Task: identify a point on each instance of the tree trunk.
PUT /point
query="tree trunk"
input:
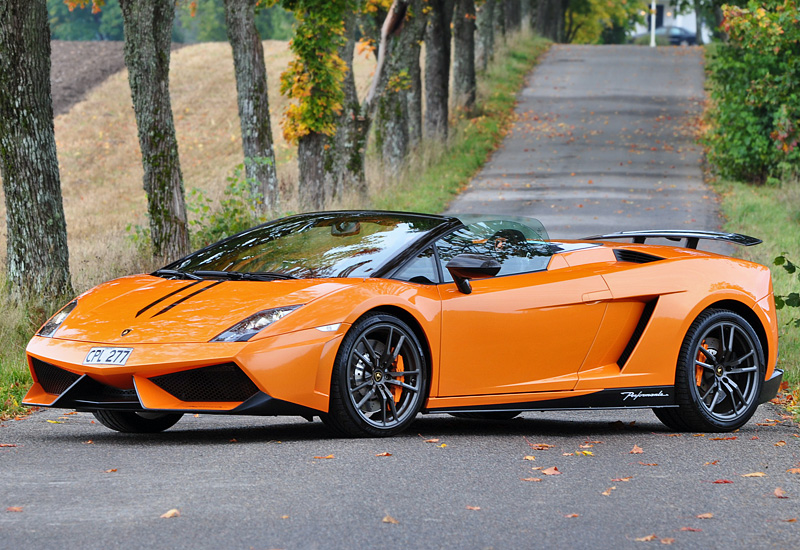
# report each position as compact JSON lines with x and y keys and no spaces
{"x":346,"y":149}
{"x":148,"y":32}
{"x":437,"y":68}
{"x":500,"y":22}
{"x":251,"y":88}
{"x":550,"y":19}
{"x":414,"y":93}
{"x":484,"y":45}
{"x":464,"y":84}
{"x":513,"y":15}
{"x":311,"y":188}
{"x":38,"y":258}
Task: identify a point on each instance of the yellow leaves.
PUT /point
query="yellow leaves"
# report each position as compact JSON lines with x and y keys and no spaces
{"x":442,"y":446}
{"x":707,"y":515}
{"x":55,"y":422}
{"x":778,"y":444}
{"x":365,"y":46}
{"x":636,"y":450}
{"x":389,"y":519}
{"x":607,"y":492}
{"x":14,"y":509}
{"x":793,"y":471}
{"x":755,"y":474}
{"x":328,"y":457}
{"x":535,"y":479}
{"x":529,"y":457}
{"x":173,"y":513}
{"x":622,"y":479}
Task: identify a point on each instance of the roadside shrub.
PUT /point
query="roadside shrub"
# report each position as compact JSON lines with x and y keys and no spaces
{"x":793,"y":298}
{"x":755,"y":113}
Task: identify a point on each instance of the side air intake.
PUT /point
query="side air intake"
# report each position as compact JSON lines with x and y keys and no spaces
{"x":647,"y":313}
{"x":227,"y":383}
{"x":634,"y":257}
{"x":53,"y":379}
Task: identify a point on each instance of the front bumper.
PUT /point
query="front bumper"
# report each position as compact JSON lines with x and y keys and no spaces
{"x":771,"y":386}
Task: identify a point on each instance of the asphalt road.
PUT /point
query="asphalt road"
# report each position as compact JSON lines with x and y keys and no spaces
{"x":238,"y":482}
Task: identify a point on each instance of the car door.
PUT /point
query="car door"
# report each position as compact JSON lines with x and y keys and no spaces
{"x":526,"y":329}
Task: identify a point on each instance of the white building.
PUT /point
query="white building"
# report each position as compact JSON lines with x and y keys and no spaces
{"x":668,"y":16}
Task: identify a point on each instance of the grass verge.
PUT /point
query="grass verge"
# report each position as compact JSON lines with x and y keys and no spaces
{"x":771,"y":213}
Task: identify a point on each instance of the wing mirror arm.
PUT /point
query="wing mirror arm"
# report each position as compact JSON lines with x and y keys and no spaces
{"x":471,"y":266}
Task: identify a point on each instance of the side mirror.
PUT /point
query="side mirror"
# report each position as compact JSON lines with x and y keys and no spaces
{"x":471,"y":266}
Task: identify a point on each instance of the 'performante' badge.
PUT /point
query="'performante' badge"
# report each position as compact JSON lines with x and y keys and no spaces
{"x":636,"y":395}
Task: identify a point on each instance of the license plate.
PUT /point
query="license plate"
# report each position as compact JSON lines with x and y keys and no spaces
{"x":107,"y":356}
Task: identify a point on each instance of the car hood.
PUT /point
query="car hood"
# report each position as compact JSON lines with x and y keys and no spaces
{"x":154,"y":310}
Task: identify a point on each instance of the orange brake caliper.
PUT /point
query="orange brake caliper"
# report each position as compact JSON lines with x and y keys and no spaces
{"x":397,"y":391}
{"x":698,"y":370}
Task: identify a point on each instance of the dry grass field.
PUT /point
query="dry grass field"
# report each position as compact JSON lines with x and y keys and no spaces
{"x":100,"y":162}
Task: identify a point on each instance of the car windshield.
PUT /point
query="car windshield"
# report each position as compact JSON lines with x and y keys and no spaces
{"x":336,"y":244}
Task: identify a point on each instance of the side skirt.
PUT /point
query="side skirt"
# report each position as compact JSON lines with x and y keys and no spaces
{"x":617,"y":398}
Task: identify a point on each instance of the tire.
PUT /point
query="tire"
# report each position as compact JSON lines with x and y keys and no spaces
{"x":487,"y":415}
{"x":369,"y":396}
{"x":719,"y":376}
{"x":138,"y":422}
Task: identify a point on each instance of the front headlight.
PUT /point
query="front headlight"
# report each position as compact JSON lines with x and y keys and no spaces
{"x":51,"y":326}
{"x":244,"y":330}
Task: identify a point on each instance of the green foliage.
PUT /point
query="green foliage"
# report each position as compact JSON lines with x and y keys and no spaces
{"x":236,"y":212}
{"x":85,"y":24}
{"x":755,"y":112}
{"x":204,"y":21}
{"x":793,"y":298}
{"x":586,"y":21}
{"x":313,"y":80}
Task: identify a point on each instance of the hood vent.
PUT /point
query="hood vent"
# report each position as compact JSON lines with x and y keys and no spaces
{"x":634,"y":257}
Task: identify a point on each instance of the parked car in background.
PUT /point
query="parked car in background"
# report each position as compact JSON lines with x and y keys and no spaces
{"x":668,"y":35}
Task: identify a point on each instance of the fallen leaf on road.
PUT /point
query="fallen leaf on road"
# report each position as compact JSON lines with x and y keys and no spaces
{"x":698,"y":435}
{"x":731,"y":438}
{"x":530,"y":479}
{"x":529,"y":457}
{"x":384,"y":454}
{"x":14,"y":509}
{"x":792,"y":520}
{"x":607,"y":492}
{"x":778,"y":444}
{"x":234,"y":440}
{"x":442,"y":446}
{"x":754,"y":438}
{"x":571,"y":515}
{"x":667,"y":540}
{"x":284,"y":517}
{"x":174,"y":513}
{"x":722,"y":481}
{"x":8,"y":444}
{"x":55,"y":422}
{"x":112,"y":470}
{"x":541,"y":446}
{"x":584,"y":453}
{"x":430,"y":440}
{"x":90,"y":442}
{"x":636,"y":451}
{"x":538,"y":468}
{"x":780,"y":493}
{"x":648,"y":538}
{"x":774,"y":423}
{"x":707,"y":515}
{"x":551,"y":471}
{"x":389,"y":519}
{"x":475,"y":508}
{"x":623,"y":478}
{"x":755,"y":474}
{"x":712,"y":463}
{"x":586,"y":446}
{"x":324,"y":457}
{"x":648,"y":463}
{"x":793,"y":470}
{"x":692,"y":529}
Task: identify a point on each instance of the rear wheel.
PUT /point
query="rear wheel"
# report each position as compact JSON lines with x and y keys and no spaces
{"x":137,"y":421}
{"x":379,"y":379}
{"x":487,"y":415}
{"x":719,"y":377}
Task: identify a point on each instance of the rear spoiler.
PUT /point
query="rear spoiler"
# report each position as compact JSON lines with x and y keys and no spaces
{"x":692,"y":237}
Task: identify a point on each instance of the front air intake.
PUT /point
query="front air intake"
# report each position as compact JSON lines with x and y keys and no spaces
{"x":634,"y":257}
{"x":218,"y":383}
{"x":53,"y":379}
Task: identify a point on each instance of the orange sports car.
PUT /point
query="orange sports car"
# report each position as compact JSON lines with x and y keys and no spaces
{"x":366,"y":319}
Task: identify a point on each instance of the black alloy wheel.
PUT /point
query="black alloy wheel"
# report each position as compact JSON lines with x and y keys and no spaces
{"x":720,"y":374}
{"x":379,"y":379}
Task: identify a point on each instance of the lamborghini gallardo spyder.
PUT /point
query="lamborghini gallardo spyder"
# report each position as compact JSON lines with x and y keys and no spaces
{"x":366,"y":319}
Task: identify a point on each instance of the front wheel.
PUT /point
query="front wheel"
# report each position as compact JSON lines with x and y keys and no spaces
{"x":379,"y":379}
{"x":136,"y":421}
{"x":720,"y":373}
